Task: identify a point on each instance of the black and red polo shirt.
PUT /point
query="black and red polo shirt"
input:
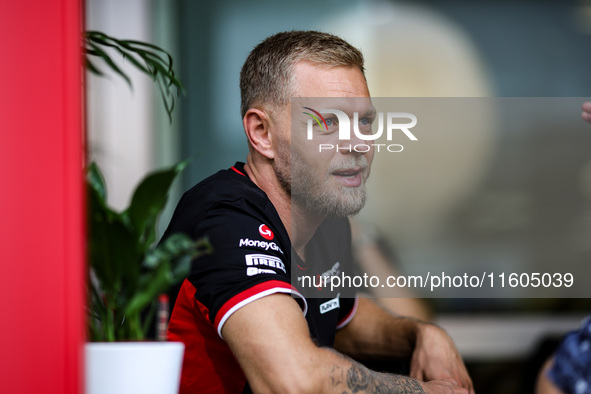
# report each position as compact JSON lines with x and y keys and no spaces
{"x":251,"y":258}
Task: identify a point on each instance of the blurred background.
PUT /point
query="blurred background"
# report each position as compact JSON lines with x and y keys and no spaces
{"x":514,"y":193}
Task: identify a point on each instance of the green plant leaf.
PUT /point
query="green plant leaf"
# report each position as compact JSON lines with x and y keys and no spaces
{"x":168,"y":263}
{"x":127,"y":273}
{"x":148,"y":200}
{"x":96,"y":181}
{"x":154,"y":284}
{"x":148,"y":58}
{"x":113,"y":253}
{"x":114,"y":257}
{"x":92,"y":68}
{"x":97,"y":51}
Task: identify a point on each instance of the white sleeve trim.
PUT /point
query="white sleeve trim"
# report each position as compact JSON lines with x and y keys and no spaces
{"x":257,"y":296}
{"x":351,"y":314}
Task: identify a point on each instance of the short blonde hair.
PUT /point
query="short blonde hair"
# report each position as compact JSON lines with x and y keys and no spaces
{"x":266,"y":76}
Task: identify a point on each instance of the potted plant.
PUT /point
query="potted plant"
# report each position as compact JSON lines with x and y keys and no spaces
{"x":127,"y":270}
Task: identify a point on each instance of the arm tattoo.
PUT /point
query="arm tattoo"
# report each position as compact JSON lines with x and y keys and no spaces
{"x":361,"y":379}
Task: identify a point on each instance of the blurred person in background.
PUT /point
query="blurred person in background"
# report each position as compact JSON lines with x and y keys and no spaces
{"x":568,"y":371}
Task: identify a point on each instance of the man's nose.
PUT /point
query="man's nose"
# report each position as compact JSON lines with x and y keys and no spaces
{"x":355,"y":145}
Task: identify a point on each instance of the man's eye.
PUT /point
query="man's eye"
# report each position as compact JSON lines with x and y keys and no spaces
{"x":364,"y":121}
{"x":329,"y":122}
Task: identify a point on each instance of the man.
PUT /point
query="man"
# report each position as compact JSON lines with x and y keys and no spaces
{"x":244,"y":326}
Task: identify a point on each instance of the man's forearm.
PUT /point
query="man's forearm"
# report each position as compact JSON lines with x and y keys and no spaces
{"x":433,"y":355}
{"x":349,"y":376}
{"x":376,"y":333}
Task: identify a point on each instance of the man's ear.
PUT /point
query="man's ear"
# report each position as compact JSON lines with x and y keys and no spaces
{"x":257,"y":126}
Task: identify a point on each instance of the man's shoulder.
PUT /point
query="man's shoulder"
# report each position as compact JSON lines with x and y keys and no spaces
{"x":224,"y":187}
{"x":228,"y":184}
{"x":229,"y":191}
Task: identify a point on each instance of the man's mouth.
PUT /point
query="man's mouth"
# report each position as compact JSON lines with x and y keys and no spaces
{"x":348,"y":173}
{"x":351,"y":177}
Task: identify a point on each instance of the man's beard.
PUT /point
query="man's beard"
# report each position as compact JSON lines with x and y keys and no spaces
{"x":317,"y":195}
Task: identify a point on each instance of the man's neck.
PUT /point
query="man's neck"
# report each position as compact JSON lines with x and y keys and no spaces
{"x":303,"y":227}
{"x":299,"y":223}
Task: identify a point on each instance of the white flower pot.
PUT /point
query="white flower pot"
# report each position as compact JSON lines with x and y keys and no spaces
{"x":133,"y":367}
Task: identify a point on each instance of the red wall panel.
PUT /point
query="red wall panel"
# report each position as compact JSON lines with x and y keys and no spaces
{"x":41,"y":197}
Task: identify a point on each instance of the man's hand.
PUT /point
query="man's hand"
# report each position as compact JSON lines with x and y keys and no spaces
{"x":447,"y":386}
{"x":374,"y":332}
{"x":436,"y":358}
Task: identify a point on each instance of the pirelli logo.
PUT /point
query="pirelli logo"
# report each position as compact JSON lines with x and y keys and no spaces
{"x":254,"y":260}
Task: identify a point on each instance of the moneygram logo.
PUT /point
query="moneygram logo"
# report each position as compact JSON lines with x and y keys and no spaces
{"x":266,"y":232}
{"x":393,"y":125}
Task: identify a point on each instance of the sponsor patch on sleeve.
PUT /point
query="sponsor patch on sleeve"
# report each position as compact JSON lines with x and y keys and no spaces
{"x":263,"y":262}
{"x":251,"y":271}
{"x":330,"y":305}
{"x":266,"y":232}
{"x":255,"y":243}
